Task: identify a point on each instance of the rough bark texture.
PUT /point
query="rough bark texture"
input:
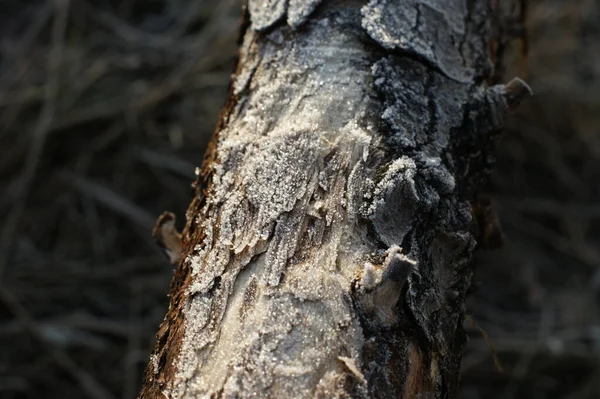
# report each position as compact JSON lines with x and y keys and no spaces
{"x":352,"y":130}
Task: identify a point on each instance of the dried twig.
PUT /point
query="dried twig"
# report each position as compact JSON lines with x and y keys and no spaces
{"x":86,"y":381}
{"x":39,"y":135}
{"x":110,"y":199}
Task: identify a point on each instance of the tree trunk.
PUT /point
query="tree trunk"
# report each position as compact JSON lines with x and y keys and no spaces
{"x":326,"y":253}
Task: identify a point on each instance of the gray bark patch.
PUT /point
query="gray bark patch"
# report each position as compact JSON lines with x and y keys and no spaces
{"x":431,"y":29}
{"x":265,"y":13}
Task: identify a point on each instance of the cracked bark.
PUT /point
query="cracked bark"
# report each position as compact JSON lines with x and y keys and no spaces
{"x":326,"y":253}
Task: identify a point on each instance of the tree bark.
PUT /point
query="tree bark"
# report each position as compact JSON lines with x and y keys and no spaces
{"x":326,"y":253}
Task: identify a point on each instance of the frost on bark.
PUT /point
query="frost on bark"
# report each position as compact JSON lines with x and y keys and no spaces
{"x":326,"y":253}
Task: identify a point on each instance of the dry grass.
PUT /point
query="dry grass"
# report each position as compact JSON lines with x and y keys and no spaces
{"x":539,"y":296}
{"x":105,"y":109}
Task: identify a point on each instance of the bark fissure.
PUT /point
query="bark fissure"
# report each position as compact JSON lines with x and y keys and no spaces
{"x":337,"y":146}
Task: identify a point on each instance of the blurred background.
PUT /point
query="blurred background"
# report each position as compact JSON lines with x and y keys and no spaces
{"x":105,"y":110}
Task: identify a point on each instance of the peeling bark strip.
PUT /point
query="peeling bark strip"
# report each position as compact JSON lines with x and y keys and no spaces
{"x":328,"y":253}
